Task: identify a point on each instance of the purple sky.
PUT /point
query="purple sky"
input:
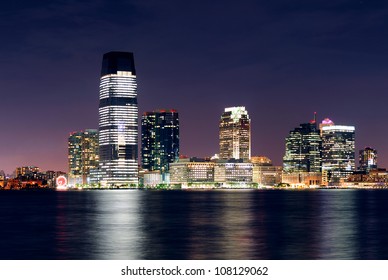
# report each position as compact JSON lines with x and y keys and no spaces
{"x":283,"y":60}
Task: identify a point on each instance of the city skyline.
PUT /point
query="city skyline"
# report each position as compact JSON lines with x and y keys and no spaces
{"x":282,"y":62}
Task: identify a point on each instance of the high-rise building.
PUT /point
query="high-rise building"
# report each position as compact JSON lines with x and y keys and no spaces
{"x":74,"y":154}
{"x":235,"y":134}
{"x":303,"y":149}
{"x":338,"y":153}
{"x":82,"y":155}
{"x":368,"y":159}
{"x":118,"y":121}
{"x":159,"y":139}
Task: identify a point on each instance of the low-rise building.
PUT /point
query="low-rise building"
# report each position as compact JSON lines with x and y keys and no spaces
{"x":155,"y":178}
{"x":364,"y":179}
{"x":302,"y":179}
{"x":232,"y":171}
{"x":198,"y":173}
{"x":190,"y":170}
{"x":266,"y":175}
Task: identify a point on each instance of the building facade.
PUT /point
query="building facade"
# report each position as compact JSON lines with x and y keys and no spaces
{"x":302,"y":179}
{"x":203,"y":173}
{"x":83,"y":155}
{"x":235,"y":134}
{"x":367,"y":159}
{"x":338,"y":153}
{"x":191,"y":170}
{"x":159,"y":139}
{"x":233,"y":172}
{"x":375,"y":178}
{"x":303,"y":149}
{"x":118,"y":121}
{"x":266,"y":175}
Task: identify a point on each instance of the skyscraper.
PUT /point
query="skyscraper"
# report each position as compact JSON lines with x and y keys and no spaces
{"x":338,"y":152}
{"x":159,"y":139}
{"x":118,"y":120}
{"x":368,"y":159}
{"x":82,"y":155}
{"x":303,"y":149}
{"x":235,"y":134}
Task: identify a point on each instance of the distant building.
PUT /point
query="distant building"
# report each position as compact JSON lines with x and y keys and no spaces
{"x":325,"y":122}
{"x":228,"y":172}
{"x":217,"y":173}
{"x":302,"y":179}
{"x":261,"y":160}
{"x":31,"y":172}
{"x":375,"y":178}
{"x":303,"y":149}
{"x":367,"y":159}
{"x":27,"y":177}
{"x":83,"y":155}
{"x":2,"y":179}
{"x":338,"y":153}
{"x":191,"y":170}
{"x":152,"y":178}
{"x":235,"y":134}
{"x":266,"y":175}
{"x":50,"y":176}
{"x":159,"y":139}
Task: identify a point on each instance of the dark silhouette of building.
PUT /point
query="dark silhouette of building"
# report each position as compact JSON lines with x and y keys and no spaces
{"x":159,"y":139}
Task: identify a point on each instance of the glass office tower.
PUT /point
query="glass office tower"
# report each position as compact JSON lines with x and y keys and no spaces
{"x":118,"y":121}
{"x":159,"y":139}
{"x":303,"y":149}
{"x":338,"y":152}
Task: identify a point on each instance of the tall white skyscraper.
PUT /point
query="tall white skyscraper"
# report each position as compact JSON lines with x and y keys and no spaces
{"x":235,"y":134}
{"x":118,"y":121}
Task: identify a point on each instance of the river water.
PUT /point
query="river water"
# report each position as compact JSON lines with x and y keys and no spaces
{"x":219,"y":224}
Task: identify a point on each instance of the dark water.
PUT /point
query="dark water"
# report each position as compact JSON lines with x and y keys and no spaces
{"x":138,"y":224}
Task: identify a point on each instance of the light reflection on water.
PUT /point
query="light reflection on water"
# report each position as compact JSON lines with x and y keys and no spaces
{"x":139,"y":224}
{"x":215,"y":230}
{"x":338,"y":224}
{"x":99,"y":225}
{"x":117,"y":231}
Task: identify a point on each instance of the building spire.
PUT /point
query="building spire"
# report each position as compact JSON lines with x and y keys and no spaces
{"x":314,"y":120}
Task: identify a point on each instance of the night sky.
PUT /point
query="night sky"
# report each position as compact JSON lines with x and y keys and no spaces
{"x":283,"y":60}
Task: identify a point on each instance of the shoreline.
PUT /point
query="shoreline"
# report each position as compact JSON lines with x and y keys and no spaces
{"x":207,"y":188}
